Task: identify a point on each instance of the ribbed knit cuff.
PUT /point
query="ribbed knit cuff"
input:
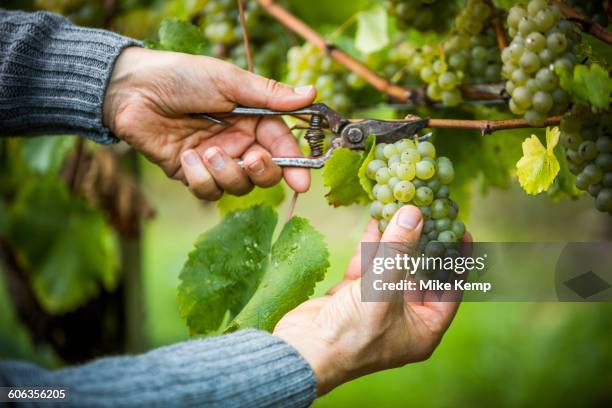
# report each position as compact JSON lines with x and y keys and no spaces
{"x":249,"y":368}
{"x":53,"y":75}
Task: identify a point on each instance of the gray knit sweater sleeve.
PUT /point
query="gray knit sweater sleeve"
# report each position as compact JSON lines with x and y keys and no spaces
{"x":53,"y":75}
{"x":249,"y":368}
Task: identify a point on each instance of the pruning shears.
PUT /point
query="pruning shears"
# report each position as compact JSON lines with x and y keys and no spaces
{"x":349,"y":133}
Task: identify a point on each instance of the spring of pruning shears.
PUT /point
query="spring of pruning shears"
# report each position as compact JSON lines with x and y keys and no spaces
{"x":347,"y":133}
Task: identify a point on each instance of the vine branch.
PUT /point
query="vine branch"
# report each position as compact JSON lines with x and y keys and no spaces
{"x":502,"y":41}
{"x":586,"y":24}
{"x":245,"y":36}
{"x":488,"y":126}
{"x":416,"y":95}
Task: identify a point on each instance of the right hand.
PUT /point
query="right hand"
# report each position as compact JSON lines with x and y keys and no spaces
{"x":342,"y":337}
{"x":148,"y":103}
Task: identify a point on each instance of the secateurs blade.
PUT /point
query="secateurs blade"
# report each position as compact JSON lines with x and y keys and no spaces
{"x":349,"y":133}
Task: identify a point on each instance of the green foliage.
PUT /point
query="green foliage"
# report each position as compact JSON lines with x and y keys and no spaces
{"x":368,"y":156}
{"x":340,"y":175}
{"x":181,"y":36}
{"x":272,"y":196}
{"x":372,"y":30}
{"x":565,"y":182}
{"x":298,"y":261}
{"x":588,"y":86}
{"x":225,"y":267}
{"x":46,"y":154}
{"x":231,"y":273}
{"x":539,"y":166}
{"x":66,"y":246}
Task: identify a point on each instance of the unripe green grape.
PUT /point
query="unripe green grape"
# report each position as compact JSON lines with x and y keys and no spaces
{"x":515,"y":14}
{"x":519,"y":77}
{"x":535,"y":42}
{"x":389,"y":151}
{"x":423,"y":196}
{"x":534,"y":6}
{"x":439,"y":66}
{"x":406,"y":171}
{"x":439,"y":208}
{"x":522,"y":97}
{"x":546,"y":56}
{"x":410,"y":156}
{"x":526,"y":26}
{"x":587,"y":150}
{"x":571,"y":140}
{"x":556,"y":42}
{"x":373,"y":167}
{"x":426,"y":149}
{"x":426,"y":212}
{"x":573,"y":156}
{"x":582,"y":182}
{"x":563,"y":64}
{"x":532,"y":85}
{"x":404,"y":191}
{"x":404,"y":144}
{"x":447,"y":237}
{"x":516,"y":51}
{"x":384,"y":194}
{"x":534,"y":118}
{"x":592,"y":173}
{"x":545,"y":19}
{"x":458,"y":228}
{"x":510,"y":86}
{"x":434,"y":92}
{"x":376,"y":209}
{"x":447,"y":81}
{"x":594,"y":190}
{"x":434,"y":184}
{"x":607,"y":180}
{"x":542,"y":102}
{"x":394,"y":161}
{"x":428,"y":226}
{"x":603,"y":202}
{"x":389,"y":211}
{"x":529,"y":62}
{"x":446,"y":174}
{"x":604,"y":161}
{"x":604,"y":144}
{"x":427,"y":74}
{"x":382,"y":225}
{"x":546,"y":79}
{"x":493,"y":73}
{"x":425,"y":170}
{"x":434,"y":249}
{"x":443,"y":192}
{"x":451,"y":98}
{"x":443,"y":224}
{"x":383,"y":175}
{"x":514,"y":108}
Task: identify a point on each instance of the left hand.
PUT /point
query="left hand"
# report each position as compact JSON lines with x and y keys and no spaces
{"x":149,"y":101}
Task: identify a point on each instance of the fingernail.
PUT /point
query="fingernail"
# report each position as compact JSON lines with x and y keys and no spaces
{"x":190,"y":158}
{"x":257,"y":167}
{"x":303,"y":90}
{"x":214,"y":158}
{"x":409,"y":217}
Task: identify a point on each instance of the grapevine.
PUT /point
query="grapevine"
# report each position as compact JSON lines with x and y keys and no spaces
{"x":422,"y":14}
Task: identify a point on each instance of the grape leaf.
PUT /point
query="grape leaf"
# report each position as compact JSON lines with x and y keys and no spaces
{"x":67,"y":246}
{"x":340,"y":175}
{"x":588,"y":86}
{"x":180,"y":36}
{"x":223,"y":270}
{"x":538,"y":167}
{"x":372,"y":34}
{"x":272,"y":196}
{"x":368,"y":156}
{"x":299,"y":260}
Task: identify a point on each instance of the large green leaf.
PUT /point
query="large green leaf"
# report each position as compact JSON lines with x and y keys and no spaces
{"x":299,"y":260}
{"x":67,"y":246}
{"x":340,"y":175}
{"x":223,"y":270}
{"x":372,"y":27}
{"x":180,"y":36}
{"x":588,"y":86}
{"x":272,"y":196}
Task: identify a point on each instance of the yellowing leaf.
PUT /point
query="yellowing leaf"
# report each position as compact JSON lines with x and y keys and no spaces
{"x":538,"y":167}
{"x":372,"y":33}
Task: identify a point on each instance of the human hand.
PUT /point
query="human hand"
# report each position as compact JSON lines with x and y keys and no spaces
{"x":148,"y":103}
{"x":342,"y":337}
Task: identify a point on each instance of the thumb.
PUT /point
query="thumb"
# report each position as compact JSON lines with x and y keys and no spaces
{"x":259,"y":92}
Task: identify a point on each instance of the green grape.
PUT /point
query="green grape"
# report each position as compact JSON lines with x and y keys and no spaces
{"x":389,"y":211}
{"x":458,"y":228}
{"x":404,"y":191}
{"x":588,"y":150}
{"x":385,"y":194}
{"x":542,"y":102}
{"x":406,"y":171}
{"x":389,"y":151}
{"x":426,"y":149}
{"x":373,"y":167}
{"x":443,"y":192}
{"x":446,"y":173}
{"x":447,"y":237}
{"x":592,"y":173}
{"x":376,"y":209}
{"x":423,"y":196}
{"x":383,"y":175}
{"x":392,"y":182}
{"x":443,"y":224}
{"x":440,"y":208}
{"x":603,"y":202}
{"x":410,"y":156}
{"x":434,"y":184}
{"x":425,"y":170}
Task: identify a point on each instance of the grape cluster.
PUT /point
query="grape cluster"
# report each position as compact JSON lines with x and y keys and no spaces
{"x":468,"y":56}
{"x":424,"y":15}
{"x":594,"y":9}
{"x":587,"y":139}
{"x":308,"y":65}
{"x":541,"y":45}
{"x":409,"y":173}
